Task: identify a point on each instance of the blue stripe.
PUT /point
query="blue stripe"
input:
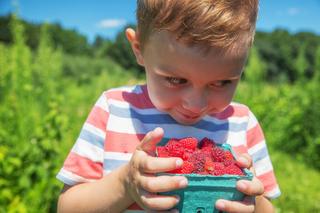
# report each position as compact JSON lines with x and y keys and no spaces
{"x":66,"y":180}
{"x":111,"y":164}
{"x":92,"y":138}
{"x":260,"y":154}
{"x":167,"y":119}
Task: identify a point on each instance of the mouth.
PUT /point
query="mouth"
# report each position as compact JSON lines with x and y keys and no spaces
{"x":189,"y":116}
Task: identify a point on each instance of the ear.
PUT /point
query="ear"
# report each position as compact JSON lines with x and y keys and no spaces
{"x":132,"y":37}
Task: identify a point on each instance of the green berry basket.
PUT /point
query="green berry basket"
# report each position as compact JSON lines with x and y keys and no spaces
{"x":203,"y":191}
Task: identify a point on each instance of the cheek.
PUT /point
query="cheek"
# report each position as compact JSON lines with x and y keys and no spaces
{"x":163,"y":98}
{"x":221,"y":100}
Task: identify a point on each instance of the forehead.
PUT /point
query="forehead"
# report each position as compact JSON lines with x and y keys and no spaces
{"x":162,"y":48}
{"x":164,"y":40}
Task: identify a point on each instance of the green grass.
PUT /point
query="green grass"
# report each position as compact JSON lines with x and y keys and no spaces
{"x":299,"y":185}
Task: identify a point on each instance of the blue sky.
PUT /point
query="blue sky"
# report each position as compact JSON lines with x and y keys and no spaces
{"x":107,"y":17}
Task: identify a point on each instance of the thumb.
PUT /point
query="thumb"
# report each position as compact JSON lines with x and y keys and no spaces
{"x":149,"y":142}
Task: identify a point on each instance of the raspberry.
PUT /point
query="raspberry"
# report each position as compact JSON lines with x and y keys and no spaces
{"x":175,"y":148}
{"x":217,"y":154}
{"x":233,"y":169}
{"x":187,"y":154}
{"x":198,"y":160}
{"x":186,"y":168}
{"x":218,"y":169}
{"x":162,"y":152}
{"x":208,"y":164}
{"x":228,"y":156}
{"x":206,"y":142}
{"x":189,"y":143}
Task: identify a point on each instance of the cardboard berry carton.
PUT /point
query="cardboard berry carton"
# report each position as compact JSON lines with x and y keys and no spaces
{"x":211,"y":172}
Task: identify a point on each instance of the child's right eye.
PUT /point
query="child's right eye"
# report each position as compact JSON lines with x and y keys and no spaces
{"x":175,"y":81}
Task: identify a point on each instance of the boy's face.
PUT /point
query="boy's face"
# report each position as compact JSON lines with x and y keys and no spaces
{"x":184,"y":82}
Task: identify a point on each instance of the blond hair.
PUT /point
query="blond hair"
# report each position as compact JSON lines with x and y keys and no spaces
{"x":226,"y":24}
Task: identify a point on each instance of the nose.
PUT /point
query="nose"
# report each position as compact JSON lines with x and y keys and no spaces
{"x":195,"y":101}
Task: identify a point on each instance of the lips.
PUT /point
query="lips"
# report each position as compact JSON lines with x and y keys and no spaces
{"x":189,"y":115}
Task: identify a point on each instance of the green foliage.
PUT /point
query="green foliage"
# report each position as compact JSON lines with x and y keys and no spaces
{"x":120,"y":51}
{"x":69,"y":40}
{"x":289,"y":115}
{"x":298,"y":184}
{"x":255,"y":70}
{"x":43,"y":106}
{"x":301,"y":63}
{"x":317,"y":65}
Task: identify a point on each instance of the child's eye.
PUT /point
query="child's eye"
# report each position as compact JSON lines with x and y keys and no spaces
{"x":176,"y":81}
{"x":220,"y":84}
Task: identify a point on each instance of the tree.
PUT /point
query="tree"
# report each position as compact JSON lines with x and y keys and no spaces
{"x":316,"y":75}
{"x":120,"y":51}
{"x":301,"y":63}
{"x":255,"y":70}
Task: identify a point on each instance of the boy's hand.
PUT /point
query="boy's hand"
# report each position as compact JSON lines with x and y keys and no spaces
{"x":249,"y":188}
{"x":143,"y":185}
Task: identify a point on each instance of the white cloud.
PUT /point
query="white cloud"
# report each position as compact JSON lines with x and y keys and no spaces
{"x":111,"y":23}
{"x":293,"y":11}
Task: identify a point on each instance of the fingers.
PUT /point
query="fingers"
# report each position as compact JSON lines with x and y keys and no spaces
{"x":244,"y":161}
{"x":251,"y":188}
{"x":158,"y":202}
{"x":150,"y":164}
{"x":235,"y":206}
{"x":163,"y":183}
{"x":149,"y":142}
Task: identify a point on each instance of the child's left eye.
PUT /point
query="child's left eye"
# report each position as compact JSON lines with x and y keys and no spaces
{"x":176,"y":81}
{"x":220,"y":83}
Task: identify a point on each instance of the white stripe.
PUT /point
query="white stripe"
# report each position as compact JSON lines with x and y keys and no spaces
{"x":88,"y":150}
{"x":134,"y":126}
{"x":257,"y":147}
{"x":274,"y":193}
{"x":94,"y":130}
{"x":252,"y":121}
{"x":117,"y":156}
{"x":69,"y":175}
{"x":154,"y":111}
{"x":263,"y":166}
{"x":237,"y":138}
{"x":127,"y":106}
{"x":102,"y":103}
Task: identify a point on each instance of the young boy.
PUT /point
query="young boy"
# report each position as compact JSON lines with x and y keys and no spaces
{"x":193,"y":53}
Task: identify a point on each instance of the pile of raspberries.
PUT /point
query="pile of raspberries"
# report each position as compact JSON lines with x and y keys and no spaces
{"x":204,"y":157}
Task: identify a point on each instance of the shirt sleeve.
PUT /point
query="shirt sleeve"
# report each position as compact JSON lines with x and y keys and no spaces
{"x":84,"y":162}
{"x":262,"y":164}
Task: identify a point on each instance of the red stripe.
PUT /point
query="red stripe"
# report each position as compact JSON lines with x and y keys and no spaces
{"x":139,"y":100}
{"x":239,"y":150}
{"x":122,"y":142}
{"x":269,"y":180}
{"x":98,"y":118}
{"x":134,"y":206}
{"x":254,"y":136}
{"x":233,"y":111}
{"x":83,"y":167}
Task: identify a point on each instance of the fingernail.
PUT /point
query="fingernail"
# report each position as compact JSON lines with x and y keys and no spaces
{"x":183,"y":182}
{"x":179,"y":163}
{"x":175,"y":211}
{"x":242,"y":186}
{"x":220,"y":204}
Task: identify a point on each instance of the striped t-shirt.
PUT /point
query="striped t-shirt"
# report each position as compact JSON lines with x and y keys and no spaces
{"x":121,"y":117}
